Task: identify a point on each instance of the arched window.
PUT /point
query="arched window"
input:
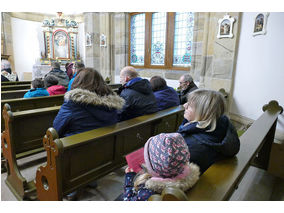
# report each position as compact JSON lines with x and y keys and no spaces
{"x":161,"y":40}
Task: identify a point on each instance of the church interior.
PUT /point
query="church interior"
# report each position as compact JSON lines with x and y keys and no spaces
{"x":238,"y":53}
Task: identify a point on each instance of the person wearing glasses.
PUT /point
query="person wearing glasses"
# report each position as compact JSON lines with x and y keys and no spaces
{"x":186,"y":86}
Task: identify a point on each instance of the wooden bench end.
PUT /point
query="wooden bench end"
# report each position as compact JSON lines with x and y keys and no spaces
{"x":272,"y":106}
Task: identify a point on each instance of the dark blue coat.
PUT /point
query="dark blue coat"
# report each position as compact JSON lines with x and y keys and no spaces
{"x":83,"y":110}
{"x":207,"y":147}
{"x":166,"y":98}
{"x":139,"y":99}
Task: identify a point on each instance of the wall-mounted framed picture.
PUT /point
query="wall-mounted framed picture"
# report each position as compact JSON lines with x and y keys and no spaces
{"x":225,"y":29}
{"x":260,"y":23}
{"x":103,"y":40}
{"x":89,"y":40}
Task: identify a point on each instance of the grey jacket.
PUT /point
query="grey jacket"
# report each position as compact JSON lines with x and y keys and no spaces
{"x":62,"y":76}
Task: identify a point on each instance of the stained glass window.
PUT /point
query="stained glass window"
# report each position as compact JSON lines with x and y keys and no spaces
{"x":159,"y":26}
{"x":161,"y":40}
{"x":137,"y":36}
{"x":184,"y":23}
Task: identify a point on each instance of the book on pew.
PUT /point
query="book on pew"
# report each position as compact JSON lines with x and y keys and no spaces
{"x":135,"y":159}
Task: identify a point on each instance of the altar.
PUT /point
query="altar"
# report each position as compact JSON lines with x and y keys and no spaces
{"x":60,"y":41}
{"x":60,"y":37}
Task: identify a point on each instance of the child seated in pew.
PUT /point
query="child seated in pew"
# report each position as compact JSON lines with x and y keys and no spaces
{"x":166,"y":96}
{"x":37,"y":89}
{"x":52,"y":87}
{"x":209,"y":134}
{"x":167,"y":163}
{"x":90,"y":104}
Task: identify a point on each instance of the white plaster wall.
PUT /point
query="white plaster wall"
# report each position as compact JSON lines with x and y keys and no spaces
{"x":26,"y":44}
{"x":259,"y":74}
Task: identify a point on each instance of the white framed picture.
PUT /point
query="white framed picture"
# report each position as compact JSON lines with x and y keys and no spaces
{"x":89,"y":40}
{"x":103,"y":40}
{"x":260,"y":23}
{"x":225,"y":29}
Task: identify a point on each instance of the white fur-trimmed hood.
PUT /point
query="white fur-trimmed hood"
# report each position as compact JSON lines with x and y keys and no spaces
{"x":183,"y":184}
{"x":86,"y":97}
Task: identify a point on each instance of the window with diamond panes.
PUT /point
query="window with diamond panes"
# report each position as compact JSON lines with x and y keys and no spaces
{"x":183,"y":39}
{"x":137,"y":39}
{"x":159,"y":27}
{"x":167,"y":40}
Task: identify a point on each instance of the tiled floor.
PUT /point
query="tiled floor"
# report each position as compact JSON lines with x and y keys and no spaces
{"x":257,"y":185}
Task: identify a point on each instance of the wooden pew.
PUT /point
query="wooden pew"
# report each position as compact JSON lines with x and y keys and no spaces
{"x":13,"y":94}
{"x":74,"y":161}
{"x":222,"y":178}
{"x":15,"y":87}
{"x":5,"y":83}
{"x":22,"y":137}
{"x":20,"y":104}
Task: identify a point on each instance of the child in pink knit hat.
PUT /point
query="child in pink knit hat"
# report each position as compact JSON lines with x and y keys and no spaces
{"x":167,"y":163}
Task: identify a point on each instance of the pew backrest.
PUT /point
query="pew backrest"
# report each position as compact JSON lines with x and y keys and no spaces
{"x":76,"y":160}
{"x":5,"y":83}
{"x":21,"y":104}
{"x":15,"y":87}
{"x":13,"y":94}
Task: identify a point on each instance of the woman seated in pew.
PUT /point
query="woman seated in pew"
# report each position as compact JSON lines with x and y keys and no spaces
{"x":167,"y":163}
{"x":52,"y":87}
{"x":90,"y":104}
{"x":166,"y":96}
{"x":37,"y":89}
{"x":209,"y":134}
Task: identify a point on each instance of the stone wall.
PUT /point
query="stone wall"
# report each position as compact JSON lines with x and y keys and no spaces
{"x":213,"y":60}
{"x":221,"y":54}
{"x":6,"y":38}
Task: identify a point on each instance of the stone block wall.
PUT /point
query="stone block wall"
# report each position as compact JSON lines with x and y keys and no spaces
{"x":220,"y":54}
{"x":6,"y":37}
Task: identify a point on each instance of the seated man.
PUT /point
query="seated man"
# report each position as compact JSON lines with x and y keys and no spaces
{"x":137,"y":93}
{"x":62,"y":76}
{"x":187,"y":86}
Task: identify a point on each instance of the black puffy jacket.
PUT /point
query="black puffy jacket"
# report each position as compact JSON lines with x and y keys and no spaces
{"x":139,"y":99}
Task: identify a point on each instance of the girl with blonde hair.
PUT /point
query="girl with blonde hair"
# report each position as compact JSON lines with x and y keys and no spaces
{"x":208,"y":132}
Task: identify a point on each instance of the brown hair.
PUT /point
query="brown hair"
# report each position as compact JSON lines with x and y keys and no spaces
{"x":90,"y":79}
{"x":157,"y":83}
